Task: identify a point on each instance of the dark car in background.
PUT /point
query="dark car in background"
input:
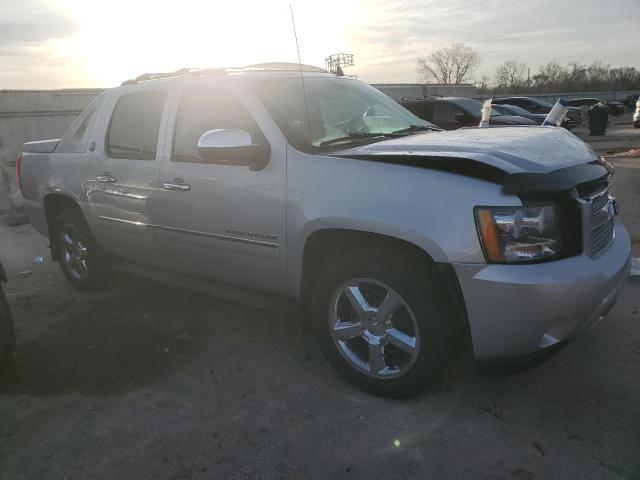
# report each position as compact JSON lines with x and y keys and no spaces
{"x":630,"y":100}
{"x":615,"y":108}
{"x":530,"y":104}
{"x":539,"y":118}
{"x":452,"y":113}
{"x":536,"y":105}
{"x":7,"y":333}
{"x":520,"y":112}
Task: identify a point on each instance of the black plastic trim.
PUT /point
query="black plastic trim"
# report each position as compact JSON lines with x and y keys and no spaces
{"x":541,"y":185}
{"x":461,"y":166}
{"x":502,"y":366}
{"x":561,"y":180}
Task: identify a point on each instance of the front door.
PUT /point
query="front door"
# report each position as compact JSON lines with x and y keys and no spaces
{"x":125,"y":188}
{"x":221,"y":221}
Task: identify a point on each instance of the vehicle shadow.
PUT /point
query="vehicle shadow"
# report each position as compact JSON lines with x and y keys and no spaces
{"x":135,"y":334}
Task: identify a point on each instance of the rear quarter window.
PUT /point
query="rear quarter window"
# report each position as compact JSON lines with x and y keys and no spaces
{"x":76,"y":138}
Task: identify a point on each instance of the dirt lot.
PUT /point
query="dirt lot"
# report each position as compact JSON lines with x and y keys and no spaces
{"x":150,"y":381}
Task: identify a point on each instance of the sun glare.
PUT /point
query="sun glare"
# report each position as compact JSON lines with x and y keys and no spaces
{"x":121,"y":39}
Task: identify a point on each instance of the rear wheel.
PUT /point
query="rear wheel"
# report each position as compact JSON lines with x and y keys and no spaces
{"x":7,"y":333}
{"x":382,"y":321}
{"x":78,"y":252}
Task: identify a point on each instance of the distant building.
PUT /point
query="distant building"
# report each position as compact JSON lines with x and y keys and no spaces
{"x":398,"y":91}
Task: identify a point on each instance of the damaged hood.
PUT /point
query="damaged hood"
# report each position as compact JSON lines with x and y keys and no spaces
{"x":513,"y":150}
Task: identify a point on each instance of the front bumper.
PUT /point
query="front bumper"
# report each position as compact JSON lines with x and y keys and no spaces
{"x":517,"y":310}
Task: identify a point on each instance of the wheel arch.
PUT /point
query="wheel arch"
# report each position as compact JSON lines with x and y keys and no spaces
{"x":54,"y":204}
{"x":323,"y":245}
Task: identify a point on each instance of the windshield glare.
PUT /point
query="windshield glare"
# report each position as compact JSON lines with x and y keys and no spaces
{"x":338,"y":107}
{"x":516,"y":110}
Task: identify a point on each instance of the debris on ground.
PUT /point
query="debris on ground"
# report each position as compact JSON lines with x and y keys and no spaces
{"x":496,"y":410}
{"x":634,"y":152}
{"x":25,"y":273}
{"x":539,"y":448}
{"x":38,"y":259}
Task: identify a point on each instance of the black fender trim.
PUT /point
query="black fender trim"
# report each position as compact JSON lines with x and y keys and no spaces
{"x":552,"y":183}
{"x":562,"y":180}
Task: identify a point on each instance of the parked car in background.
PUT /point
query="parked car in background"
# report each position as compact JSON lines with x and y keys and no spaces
{"x":452,"y":113}
{"x":614,"y":108}
{"x":630,"y":100}
{"x":393,"y":236}
{"x":520,"y":112}
{"x":7,"y":333}
{"x":536,"y":105}
{"x":530,"y":104}
{"x":539,"y":118}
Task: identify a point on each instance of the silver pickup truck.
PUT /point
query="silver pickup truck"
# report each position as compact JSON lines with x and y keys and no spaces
{"x":396,"y":237}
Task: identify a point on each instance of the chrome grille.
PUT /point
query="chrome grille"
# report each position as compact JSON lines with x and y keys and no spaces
{"x":602,"y":236}
{"x":599,"y":223}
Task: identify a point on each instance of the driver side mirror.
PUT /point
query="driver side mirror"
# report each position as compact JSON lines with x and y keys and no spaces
{"x":233,"y":147}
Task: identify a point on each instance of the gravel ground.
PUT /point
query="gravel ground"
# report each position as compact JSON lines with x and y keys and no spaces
{"x":150,"y":381}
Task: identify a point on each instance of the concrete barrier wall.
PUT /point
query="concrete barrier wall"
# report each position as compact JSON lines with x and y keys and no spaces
{"x":398,"y":91}
{"x":28,"y":115}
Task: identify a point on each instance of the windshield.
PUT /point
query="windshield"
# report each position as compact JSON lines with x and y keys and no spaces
{"x":542,"y":102}
{"x":512,"y":110}
{"x":339,"y":107}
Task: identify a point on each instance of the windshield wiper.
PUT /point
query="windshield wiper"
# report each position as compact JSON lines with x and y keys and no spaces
{"x":354,"y":136}
{"x":417,"y":128}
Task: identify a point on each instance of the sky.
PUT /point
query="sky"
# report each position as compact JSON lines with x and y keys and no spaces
{"x":100,"y":43}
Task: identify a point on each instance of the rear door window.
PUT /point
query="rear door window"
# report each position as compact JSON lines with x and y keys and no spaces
{"x":135,"y":125}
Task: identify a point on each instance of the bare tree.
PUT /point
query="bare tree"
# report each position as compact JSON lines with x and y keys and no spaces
{"x":453,"y":64}
{"x":482,"y":85}
{"x":510,"y":74}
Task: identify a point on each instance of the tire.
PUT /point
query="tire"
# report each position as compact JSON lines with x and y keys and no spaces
{"x":7,"y":333}
{"x":77,"y":251}
{"x":415,"y":339}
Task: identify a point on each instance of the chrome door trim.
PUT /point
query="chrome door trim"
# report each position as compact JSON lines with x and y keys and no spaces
{"x":217,"y":236}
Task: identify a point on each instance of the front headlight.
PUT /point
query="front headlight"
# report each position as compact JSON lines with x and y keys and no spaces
{"x":520,"y":234}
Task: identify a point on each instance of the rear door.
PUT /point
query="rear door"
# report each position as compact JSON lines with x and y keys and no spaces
{"x":125,"y":188}
{"x":222,"y":221}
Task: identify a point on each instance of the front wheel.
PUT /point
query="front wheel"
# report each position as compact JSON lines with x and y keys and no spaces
{"x":382,"y":321}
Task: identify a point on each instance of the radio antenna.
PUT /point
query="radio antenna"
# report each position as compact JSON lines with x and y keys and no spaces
{"x":304,"y":90}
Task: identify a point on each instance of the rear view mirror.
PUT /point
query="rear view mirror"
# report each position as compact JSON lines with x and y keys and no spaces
{"x":233,"y":147}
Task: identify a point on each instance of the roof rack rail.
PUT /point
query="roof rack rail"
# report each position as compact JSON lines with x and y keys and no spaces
{"x":272,"y":66}
{"x":178,"y":73}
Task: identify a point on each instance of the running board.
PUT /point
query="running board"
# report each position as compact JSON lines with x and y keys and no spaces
{"x":284,"y":306}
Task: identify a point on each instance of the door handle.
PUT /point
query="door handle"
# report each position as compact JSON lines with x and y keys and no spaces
{"x":106,"y":177}
{"x":177,"y":184}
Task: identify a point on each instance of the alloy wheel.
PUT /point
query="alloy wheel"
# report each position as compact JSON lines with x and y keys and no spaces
{"x":74,"y":252}
{"x":374,"y":328}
